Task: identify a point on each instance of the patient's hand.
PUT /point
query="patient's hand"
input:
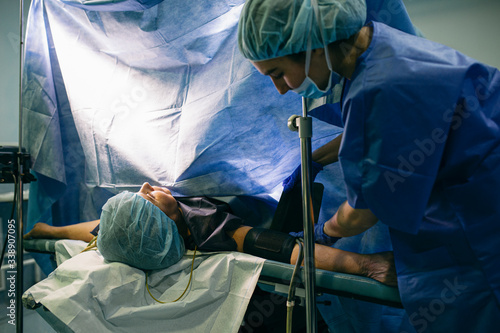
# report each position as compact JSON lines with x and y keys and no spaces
{"x":380,"y":267}
{"x":40,"y":230}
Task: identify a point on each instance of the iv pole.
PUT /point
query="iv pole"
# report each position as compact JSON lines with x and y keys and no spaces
{"x":304,"y":126}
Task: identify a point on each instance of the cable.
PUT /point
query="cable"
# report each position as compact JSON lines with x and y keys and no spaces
{"x":290,"y":302}
{"x":92,"y":245}
{"x":189,"y":282}
{"x":14,"y":204}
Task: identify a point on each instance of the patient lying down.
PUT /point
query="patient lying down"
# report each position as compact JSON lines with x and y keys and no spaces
{"x":150,"y":229}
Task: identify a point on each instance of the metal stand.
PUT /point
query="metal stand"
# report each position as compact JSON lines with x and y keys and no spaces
{"x":14,"y":168}
{"x":19,"y":248}
{"x":20,"y":175}
{"x":304,"y":126}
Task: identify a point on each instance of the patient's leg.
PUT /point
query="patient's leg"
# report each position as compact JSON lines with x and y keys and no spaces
{"x":79,"y":231}
{"x":378,"y":266}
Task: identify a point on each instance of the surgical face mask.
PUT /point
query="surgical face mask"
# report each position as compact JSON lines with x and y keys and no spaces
{"x":309,"y":89}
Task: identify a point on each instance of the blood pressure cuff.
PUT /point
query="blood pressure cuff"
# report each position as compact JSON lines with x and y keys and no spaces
{"x":269,"y":244}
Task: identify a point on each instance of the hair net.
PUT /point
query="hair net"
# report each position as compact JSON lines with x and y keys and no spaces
{"x":273,"y":28}
{"x":136,"y":232}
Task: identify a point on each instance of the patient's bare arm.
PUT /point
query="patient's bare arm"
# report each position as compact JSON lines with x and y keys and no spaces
{"x":378,"y":266}
{"x":79,"y":231}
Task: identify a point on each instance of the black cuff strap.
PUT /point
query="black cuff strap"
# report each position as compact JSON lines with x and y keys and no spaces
{"x":269,"y":244}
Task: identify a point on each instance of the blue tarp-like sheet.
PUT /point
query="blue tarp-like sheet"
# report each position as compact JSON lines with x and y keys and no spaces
{"x":116,"y":93}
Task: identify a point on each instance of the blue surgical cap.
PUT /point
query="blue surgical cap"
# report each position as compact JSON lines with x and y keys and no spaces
{"x":274,"y":28}
{"x":136,"y":232}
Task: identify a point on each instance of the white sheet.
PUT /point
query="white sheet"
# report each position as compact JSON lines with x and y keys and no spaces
{"x":90,"y":295}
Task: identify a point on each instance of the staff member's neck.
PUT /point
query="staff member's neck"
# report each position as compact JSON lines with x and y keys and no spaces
{"x":343,"y":54}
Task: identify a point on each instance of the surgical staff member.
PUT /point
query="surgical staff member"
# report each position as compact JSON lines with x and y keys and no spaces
{"x":390,"y":12}
{"x":420,"y":150}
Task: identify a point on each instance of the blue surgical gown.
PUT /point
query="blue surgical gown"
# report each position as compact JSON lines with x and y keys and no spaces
{"x":421,"y":149}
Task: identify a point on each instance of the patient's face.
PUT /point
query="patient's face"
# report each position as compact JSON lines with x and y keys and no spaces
{"x":162,"y":198}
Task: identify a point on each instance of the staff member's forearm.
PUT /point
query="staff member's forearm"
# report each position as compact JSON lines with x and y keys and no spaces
{"x":328,"y":153}
{"x":348,"y":221}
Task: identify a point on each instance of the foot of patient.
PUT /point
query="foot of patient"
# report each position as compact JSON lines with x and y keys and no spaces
{"x":380,"y":267}
{"x":41,"y":230}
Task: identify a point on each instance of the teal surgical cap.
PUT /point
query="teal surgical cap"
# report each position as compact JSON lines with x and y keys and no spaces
{"x":274,"y":28}
{"x":136,"y":232}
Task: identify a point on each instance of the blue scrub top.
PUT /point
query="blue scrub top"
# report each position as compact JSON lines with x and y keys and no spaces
{"x":421,"y":149}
